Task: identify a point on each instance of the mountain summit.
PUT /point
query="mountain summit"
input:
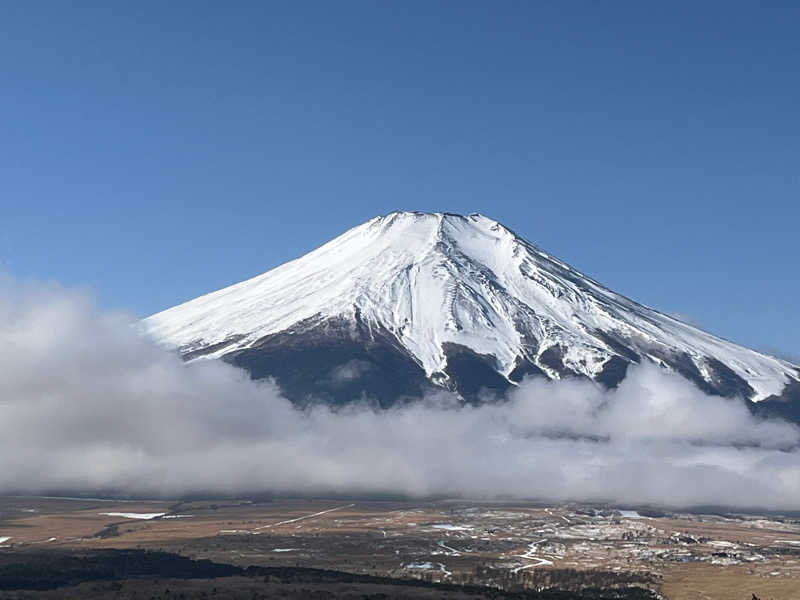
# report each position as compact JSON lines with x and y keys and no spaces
{"x":411,"y":300}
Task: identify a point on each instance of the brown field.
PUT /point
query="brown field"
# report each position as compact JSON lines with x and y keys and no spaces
{"x":518,"y":545}
{"x":699,"y":582}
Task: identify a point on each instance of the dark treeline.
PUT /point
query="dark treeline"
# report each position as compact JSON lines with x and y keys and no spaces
{"x":562,"y":579}
{"x":49,"y":570}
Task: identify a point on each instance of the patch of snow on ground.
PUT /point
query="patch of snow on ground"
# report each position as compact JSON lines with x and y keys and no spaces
{"x":425,"y":565}
{"x":451,"y":527}
{"x":126,"y":515}
{"x":631,"y":514}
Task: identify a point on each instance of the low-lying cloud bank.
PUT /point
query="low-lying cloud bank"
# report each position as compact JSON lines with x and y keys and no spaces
{"x":88,"y":404}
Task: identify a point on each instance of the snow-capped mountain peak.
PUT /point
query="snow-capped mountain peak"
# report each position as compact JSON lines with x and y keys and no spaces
{"x":434,"y":284}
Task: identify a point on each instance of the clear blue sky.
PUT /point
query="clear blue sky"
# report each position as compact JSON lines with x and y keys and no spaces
{"x":154,"y":151}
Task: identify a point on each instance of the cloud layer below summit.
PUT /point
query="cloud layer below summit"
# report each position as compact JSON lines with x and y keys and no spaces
{"x":88,"y":404}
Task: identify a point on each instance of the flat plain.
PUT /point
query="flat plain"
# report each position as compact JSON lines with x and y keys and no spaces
{"x":507,"y":545}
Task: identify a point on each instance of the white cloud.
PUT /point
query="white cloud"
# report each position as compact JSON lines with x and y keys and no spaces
{"x":88,"y":404}
{"x":349,"y":371}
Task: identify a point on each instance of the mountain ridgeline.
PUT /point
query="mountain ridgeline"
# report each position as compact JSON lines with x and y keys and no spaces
{"x":410,"y":302}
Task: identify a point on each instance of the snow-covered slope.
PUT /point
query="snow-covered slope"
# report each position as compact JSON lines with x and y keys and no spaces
{"x":434,"y":283}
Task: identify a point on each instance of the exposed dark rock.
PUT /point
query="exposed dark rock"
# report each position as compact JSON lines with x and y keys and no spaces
{"x":553,"y":357}
{"x":525,"y":368}
{"x":617,"y":344}
{"x":190,"y":354}
{"x":306,"y":360}
{"x":471,"y":373}
{"x":785,"y":406}
{"x":683,"y":364}
{"x":727,"y":383}
{"x":613,"y":372}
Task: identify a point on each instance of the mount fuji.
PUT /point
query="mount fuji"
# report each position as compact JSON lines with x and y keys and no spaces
{"x":411,"y":301}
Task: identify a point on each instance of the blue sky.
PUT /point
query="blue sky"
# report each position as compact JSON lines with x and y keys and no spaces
{"x":154,"y":151}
